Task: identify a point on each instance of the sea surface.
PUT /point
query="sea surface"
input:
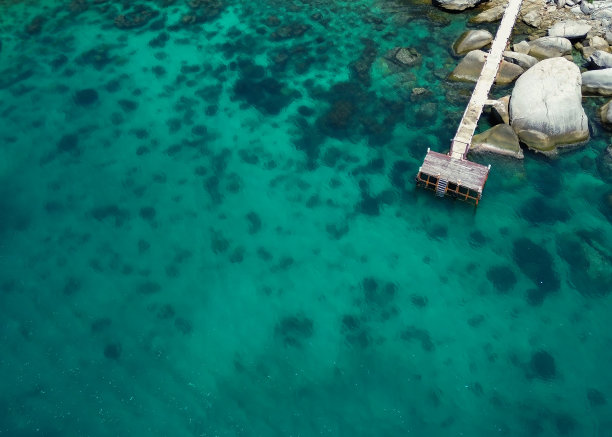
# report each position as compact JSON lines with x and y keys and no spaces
{"x":209,"y":226}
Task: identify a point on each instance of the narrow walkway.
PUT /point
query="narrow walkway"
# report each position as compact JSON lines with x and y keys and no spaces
{"x":453,"y":175}
{"x":463,"y":138}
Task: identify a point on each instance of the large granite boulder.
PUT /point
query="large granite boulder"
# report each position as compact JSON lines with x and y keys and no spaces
{"x":491,"y":15}
{"x":546,"y":106}
{"x":469,"y":68}
{"x":597,"y":82}
{"x":600,"y":59}
{"x":472,"y":40}
{"x":520,"y":59}
{"x":570,"y":29}
{"x":550,"y":47}
{"x":456,"y":5}
{"x":500,"y":139}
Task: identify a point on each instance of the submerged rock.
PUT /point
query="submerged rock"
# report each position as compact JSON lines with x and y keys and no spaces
{"x":597,"y":82}
{"x":604,"y":164}
{"x":470,"y":66}
{"x":500,"y":139}
{"x":456,"y":5}
{"x":569,"y":29}
{"x":290,"y":31}
{"x":407,"y":56}
{"x":86,"y":97}
{"x":546,"y":106}
{"x":401,"y":58}
{"x":35,"y":26}
{"x":472,"y":40}
{"x":17,"y":72}
{"x":418,"y":94}
{"x":599,"y":59}
{"x":550,"y":47}
{"x":542,"y":365}
{"x":137,"y":18}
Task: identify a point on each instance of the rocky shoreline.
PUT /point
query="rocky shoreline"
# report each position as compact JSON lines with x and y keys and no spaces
{"x":566,"y":55}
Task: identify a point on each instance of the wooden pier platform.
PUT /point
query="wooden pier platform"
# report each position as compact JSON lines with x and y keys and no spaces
{"x":454,"y":170}
{"x":448,"y":176}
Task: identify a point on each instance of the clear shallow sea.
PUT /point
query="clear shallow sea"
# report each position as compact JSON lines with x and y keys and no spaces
{"x":212,"y":229}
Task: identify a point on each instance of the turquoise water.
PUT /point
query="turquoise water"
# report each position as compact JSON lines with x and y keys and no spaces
{"x":209,"y":226}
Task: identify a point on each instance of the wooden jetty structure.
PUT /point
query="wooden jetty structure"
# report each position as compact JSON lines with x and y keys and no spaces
{"x":452,"y":174}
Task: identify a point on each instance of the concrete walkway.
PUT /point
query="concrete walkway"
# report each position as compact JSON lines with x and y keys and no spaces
{"x":463,"y":138}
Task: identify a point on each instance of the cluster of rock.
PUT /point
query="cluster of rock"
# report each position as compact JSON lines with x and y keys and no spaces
{"x":544,"y":111}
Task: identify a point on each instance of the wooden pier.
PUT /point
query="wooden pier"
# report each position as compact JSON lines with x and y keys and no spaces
{"x":452,"y":174}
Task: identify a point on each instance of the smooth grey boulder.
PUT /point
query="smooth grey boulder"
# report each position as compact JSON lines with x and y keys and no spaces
{"x":546,"y":107}
{"x":586,"y":8}
{"x":600,"y":59}
{"x":569,"y":29}
{"x":472,"y":40}
{"x":601,"y":9}
{"x":606,"y":114}
{"x":520,"y":59}
{"x":456,"y":5}
{"x":597,"y":82}
{"x":491,"y":15}
{"x":521,"y":47}
{"x":533,"y":18}
{"x":550,"y":47}
{"x":500,"y":139}
{"x":470,"y":66}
